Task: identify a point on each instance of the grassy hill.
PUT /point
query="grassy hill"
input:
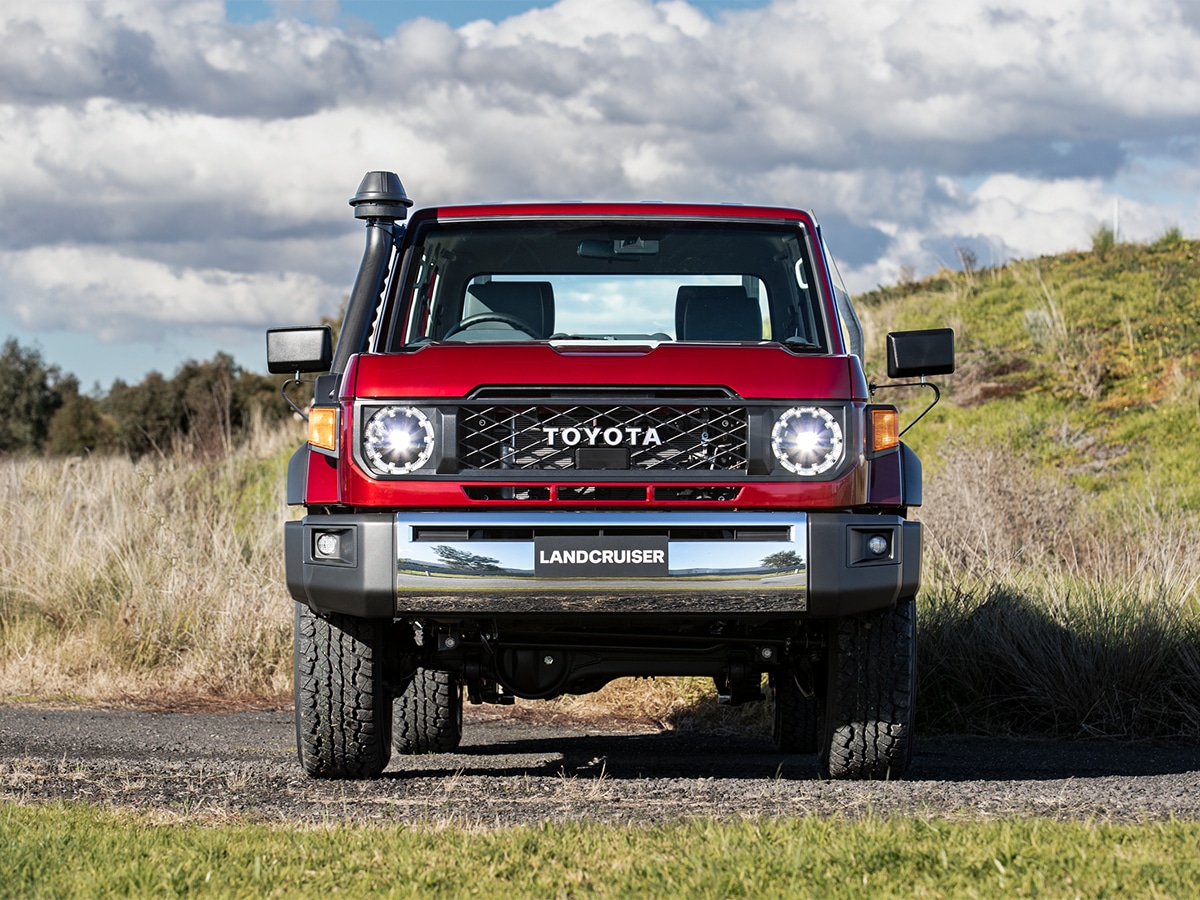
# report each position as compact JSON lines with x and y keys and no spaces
{"x":1085,"y":363}
{"x":1062,"y":501}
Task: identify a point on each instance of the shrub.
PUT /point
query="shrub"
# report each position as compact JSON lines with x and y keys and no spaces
{"x":1103,"y":240}
{"x":1171,"y":237}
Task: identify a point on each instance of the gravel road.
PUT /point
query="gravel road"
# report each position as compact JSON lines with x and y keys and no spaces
{"x":517,"y":768}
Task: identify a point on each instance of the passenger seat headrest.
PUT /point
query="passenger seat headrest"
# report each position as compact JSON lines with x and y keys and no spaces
{"x":716,"y":313}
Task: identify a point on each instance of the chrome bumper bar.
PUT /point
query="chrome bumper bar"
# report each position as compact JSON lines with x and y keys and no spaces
{"x":601,"y":562}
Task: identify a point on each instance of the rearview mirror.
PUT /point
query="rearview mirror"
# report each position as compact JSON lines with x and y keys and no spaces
{"x":623,"y":248}
{"x":307,"y":349}
{"x":912,"y":354}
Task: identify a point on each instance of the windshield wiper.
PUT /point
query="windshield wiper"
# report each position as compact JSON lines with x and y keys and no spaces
{"x":796,"y":342}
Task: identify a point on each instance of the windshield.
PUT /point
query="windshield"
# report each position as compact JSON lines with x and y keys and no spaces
{"x":613,"y":281}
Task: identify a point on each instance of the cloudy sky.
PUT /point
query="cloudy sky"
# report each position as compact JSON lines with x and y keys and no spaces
{"x":174,"y":173}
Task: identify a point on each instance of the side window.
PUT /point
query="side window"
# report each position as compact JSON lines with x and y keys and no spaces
{"x":851,"y":327}
{"x":852,"y":336}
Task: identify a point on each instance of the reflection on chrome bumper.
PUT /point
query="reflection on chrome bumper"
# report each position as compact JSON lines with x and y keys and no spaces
{"x":602,"y":561}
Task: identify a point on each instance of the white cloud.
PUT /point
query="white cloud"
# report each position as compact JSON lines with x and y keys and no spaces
{"x":1030,"y":217}
{"x":143,"y":133}
{"x":578,"y":23}
{"x":120,"y":298}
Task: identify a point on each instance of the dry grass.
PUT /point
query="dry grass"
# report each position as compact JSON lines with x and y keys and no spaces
{"x":160,"y":582}
{"x":1057,"y":657}
{"x":677,"y":704}
{"x":1041,"y":614}
{"x":124,"y":580}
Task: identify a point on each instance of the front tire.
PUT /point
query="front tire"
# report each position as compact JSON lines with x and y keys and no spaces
{"x":428,"y":715}
{"x":868,"y":728}
{"x":343,"y":710}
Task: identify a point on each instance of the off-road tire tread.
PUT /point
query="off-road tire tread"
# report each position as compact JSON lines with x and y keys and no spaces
{"x":427,"y":716}
{"x":795,"y":725}
{"x":343,"y":709}
{"x":869,"y":704}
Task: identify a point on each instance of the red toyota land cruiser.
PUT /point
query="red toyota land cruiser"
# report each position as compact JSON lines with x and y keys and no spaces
{"x":561,"y":443}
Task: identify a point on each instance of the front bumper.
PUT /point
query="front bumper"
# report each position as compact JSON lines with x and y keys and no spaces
{"x":475,"y":564}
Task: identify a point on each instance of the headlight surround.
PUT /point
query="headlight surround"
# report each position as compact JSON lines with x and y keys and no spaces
{"x":397,"y":440}
{"x":808,"y":440}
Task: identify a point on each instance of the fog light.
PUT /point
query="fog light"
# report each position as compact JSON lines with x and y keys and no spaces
{"x":328,"y":546}
{"x":877,"y":545}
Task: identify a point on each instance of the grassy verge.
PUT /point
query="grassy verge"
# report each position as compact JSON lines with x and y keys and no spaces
{"x":1047,"y":609}
{"x":125,"y":579}
{"x":70,"y":851}
{"x":1053,"y":609}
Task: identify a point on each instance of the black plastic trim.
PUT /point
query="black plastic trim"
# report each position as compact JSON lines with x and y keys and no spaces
{"x":297,"y":476}
{"x":911,"y":581}
{"x":362,"y":584}
{"x":845,"y":582}
{"x":910,"y":474}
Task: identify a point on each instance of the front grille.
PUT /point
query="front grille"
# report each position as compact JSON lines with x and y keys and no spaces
{"x":435,"y":534}
{"x":593,"y":437}
{"x":607,"y":492}
{"x":697,"y":494}
{"x":601,"y":492}
{"x":506,"y":492}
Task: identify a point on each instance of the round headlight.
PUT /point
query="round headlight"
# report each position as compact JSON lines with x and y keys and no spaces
{"x":807,"y":440}
{"x":397,"y":440}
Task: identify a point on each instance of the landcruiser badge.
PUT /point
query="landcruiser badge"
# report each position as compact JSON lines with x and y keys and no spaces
{"x":601,"y":557}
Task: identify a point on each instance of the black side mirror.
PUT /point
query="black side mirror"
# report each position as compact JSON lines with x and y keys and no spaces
{"x":912,"y":354}
{"x":292,"y":350}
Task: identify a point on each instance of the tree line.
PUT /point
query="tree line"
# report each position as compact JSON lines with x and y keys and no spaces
{"x":204,"y":407}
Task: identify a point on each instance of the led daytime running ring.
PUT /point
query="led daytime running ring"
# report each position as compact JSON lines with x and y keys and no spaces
{"x":807,"y":440}
{"x":397,"y":440}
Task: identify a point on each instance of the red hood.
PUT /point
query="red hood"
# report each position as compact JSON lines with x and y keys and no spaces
{"x":454,"y":370}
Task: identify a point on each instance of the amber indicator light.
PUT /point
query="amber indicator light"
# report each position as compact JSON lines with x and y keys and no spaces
{"x":885,"y":428}
{"x":322,"y":427}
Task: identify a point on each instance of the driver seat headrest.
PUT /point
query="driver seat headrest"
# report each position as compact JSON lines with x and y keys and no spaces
{"x":529,"y":302}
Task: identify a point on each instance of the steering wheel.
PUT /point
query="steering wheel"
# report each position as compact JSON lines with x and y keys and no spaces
{"x":480,"y":318}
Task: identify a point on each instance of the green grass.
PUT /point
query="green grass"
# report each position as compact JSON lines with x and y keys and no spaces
{"x":1125,"y":325}
{"x":75,"y":851}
